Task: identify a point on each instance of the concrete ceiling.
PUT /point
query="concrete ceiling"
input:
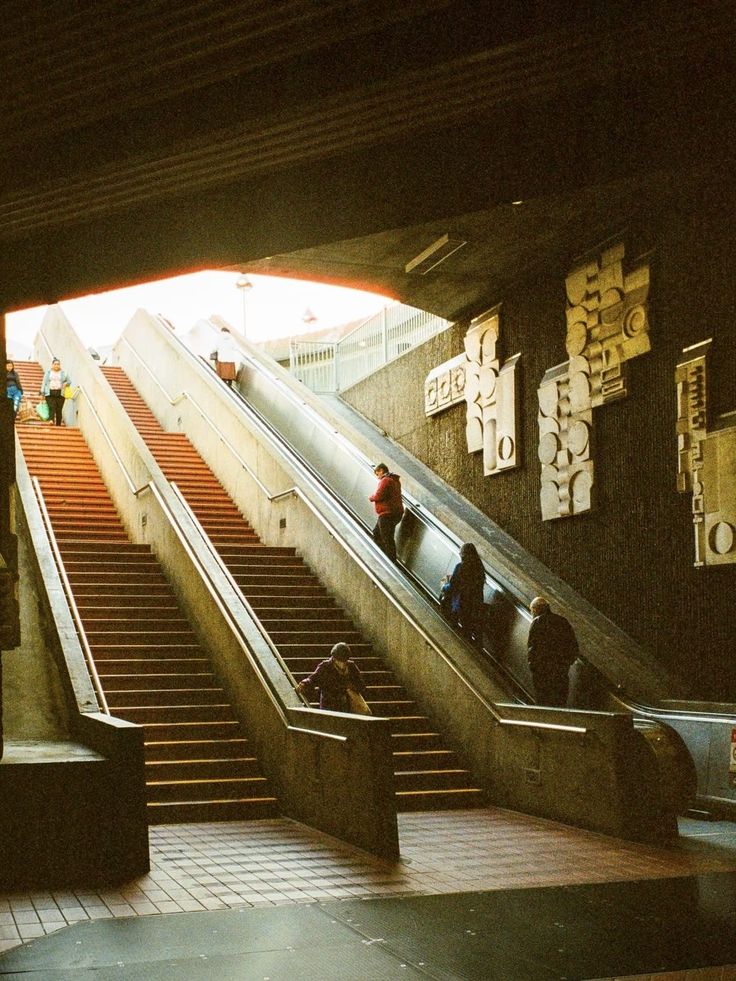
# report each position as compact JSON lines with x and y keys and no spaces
{"x":502,"y":245}
{"x":342,"y":137}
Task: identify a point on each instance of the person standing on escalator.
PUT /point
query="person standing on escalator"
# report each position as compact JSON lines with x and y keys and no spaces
{"x":551,"y":650}
{"x":461,"y":596}
{"x":227,"y":358}
{"x":389,"y":505}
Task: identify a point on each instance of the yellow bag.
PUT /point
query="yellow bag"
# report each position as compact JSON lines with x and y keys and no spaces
{"x":70,"y":393}
{"x":357,"y":704}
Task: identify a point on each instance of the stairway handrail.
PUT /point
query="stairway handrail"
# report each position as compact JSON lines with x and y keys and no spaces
{"x":151,"y":487}
{"x":118,"y":459}
{"x":215,"y":593}
{"x":70,"y":597}
{"x":231,"y":580}
{"x":174,"y":400}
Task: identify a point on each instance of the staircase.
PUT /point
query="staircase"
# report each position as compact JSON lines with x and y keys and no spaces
{"x":199,"y":764}
{"x":301,"y":618}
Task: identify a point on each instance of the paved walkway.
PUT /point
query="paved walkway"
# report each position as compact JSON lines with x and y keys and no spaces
{"x":278,"y":862}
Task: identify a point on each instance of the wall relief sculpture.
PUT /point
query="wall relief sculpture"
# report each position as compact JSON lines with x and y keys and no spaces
{"x":489,"y":391}
{"x":706,"y":461}
{"x":490,"y":396}
{"x":444,"y":386}
{"x":607,"y":325}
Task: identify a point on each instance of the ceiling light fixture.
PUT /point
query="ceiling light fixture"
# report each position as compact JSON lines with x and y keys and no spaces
{"x":433,"y":255}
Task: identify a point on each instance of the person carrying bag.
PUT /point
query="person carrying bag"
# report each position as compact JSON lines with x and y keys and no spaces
{"x":340,"y":683}
{"x":55,"y":381}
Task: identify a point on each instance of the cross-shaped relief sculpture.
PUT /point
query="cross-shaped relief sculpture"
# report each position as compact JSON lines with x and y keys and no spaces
{"x":607,"y":325}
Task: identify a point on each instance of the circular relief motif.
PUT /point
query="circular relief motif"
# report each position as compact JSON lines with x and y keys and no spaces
{"x":548,"y":446}
{"x":721,"y":538}
{"x":458,"y":379}
{"x":472,"y":347}
{"x":487,"y":382}
{"x":579,"y":392}
{"x":577,"y":337}
{"x":635,"y":321}
{"x":431,"y":394}
{"x":472,"y":386}
{"x":505,"y":448}
{"x":445,"y":387}
{"x":547,"y":397}
{"x":577,"y":437}
{"x":580,"y":490}
{"x":549,"y":498}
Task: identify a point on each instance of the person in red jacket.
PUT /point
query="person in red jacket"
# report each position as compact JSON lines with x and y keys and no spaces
{"x":389,"y":507}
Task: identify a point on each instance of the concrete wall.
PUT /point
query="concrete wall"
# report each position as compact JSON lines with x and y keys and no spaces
{"x":72,"y":779}
{"x":34,"y":698}
{"x":632,"y":557}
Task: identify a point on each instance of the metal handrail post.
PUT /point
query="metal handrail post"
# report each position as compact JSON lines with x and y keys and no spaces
{"x":384,"y":334}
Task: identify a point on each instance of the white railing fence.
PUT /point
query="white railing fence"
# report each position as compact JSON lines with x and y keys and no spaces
{"x":334,"y":366}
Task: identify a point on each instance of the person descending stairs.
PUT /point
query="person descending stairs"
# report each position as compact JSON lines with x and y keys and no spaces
{"x":301,"y":618}
{"x":200,"y":764}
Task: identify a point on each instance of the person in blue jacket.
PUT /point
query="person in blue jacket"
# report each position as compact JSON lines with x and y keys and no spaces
{"x":461,"y":596}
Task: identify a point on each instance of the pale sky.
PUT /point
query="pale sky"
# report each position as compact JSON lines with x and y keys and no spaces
{"x":274,"y":307}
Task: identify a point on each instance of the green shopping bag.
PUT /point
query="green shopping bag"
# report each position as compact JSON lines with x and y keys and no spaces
{"x":43,"y":411}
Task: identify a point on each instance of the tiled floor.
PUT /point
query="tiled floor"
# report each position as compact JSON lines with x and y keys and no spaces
{"x":276,"y":862}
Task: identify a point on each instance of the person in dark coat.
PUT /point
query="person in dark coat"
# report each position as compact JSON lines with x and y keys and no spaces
{"x":551,"y":649}
{"x":389,"y":506}
{"x":461,"y":598}
{"x":333,"y":678}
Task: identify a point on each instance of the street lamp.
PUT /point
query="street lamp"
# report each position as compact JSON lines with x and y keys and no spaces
{"x":244,"y":285}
